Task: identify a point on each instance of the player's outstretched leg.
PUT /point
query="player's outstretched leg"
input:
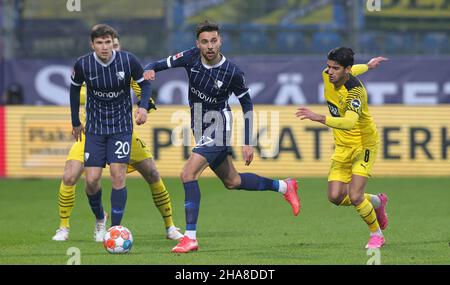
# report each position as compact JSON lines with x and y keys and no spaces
{"x":253,"y":182}
{"x":287,"y":187}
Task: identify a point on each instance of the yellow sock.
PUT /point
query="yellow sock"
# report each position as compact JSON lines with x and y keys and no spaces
{"x":367,"y":213}
{"x":66,"y":200}
{"x":346,"y":201}
{"x":162,"y":201}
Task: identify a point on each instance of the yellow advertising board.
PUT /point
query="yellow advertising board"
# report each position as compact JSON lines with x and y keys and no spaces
{"x":415,"y":141}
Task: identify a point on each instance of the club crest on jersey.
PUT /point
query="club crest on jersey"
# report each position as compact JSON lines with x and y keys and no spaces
{"x":120,"y":75}
{"x":177,"y":56}
{"x":217,"y":84}
{"x":356,"y":103}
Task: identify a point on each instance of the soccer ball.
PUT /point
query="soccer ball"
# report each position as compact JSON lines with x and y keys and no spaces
{"x":118,"y":239}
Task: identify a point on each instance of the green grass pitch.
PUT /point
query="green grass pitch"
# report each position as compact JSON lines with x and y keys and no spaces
{"x":235,"y":227}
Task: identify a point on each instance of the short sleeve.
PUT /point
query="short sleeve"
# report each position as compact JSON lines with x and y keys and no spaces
{"x":355,"y":99}
{"x":137,"y":72}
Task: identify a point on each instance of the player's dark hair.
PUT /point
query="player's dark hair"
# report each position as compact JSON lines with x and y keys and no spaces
{"x":342,"y":55}
{"x":103,"y":30}
{"x":206,"y":27}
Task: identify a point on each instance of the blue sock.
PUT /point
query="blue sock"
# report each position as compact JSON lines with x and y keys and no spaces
{"x":118,"y":201}
{"x":95,"y":201}
{"x":253,"y":182}
{"x":191,"y":204}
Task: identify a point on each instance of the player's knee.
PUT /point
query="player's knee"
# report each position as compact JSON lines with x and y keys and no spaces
{"x":92,"y":186}
{"x":335,"y":198}
{"x":232,"y":184}
{"x":185,"y":176}
{"x":118,"y":181}
{"x":69,"y":180}
{"x":356,"y":199}
{"x":153,"y":176}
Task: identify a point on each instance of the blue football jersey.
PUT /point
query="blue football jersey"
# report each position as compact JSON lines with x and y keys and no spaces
{"x":108,"y":102}
{"x":210,"y":87}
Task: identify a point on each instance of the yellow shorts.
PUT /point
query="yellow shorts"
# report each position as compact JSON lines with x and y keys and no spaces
{"x":139,"y":151}
{"x":347,"y":161}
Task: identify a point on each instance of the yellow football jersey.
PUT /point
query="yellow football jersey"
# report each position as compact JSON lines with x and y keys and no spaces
{"x":351,"y":96}
{"x":136,"y":89}
{"x":83,"y":103}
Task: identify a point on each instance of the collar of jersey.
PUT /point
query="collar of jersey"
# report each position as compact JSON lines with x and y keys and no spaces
{"x":101,"y":62}
{"x":215,"y":65}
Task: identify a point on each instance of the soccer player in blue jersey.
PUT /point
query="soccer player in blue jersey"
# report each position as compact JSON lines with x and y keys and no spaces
{"x":107,"y":74}
{"x":141,"y":160}
{"x":212,"y":80}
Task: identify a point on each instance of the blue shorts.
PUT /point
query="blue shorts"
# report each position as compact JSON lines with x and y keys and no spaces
{"x":215,"y":155}
{"x":102,"y":149}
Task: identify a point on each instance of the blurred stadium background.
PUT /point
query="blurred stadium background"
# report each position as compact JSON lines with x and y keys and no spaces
{"x":281,"y":46}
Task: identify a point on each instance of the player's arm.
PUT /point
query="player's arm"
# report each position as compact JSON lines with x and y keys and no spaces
{"x":77,"y":80}
{"x":247,"y":109}
{"x":137,"y":73}
{"x":359,"y":69}
{"x":241,"y":91}
{"x":181,"y":59}
{"x":137,"y":91}
{"x":344,"y":123}
{"x":348,"y":121}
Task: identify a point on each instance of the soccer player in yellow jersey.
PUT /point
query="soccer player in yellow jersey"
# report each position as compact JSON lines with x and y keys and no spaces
{"x":356,"y":139}
{"x":140,"y":160}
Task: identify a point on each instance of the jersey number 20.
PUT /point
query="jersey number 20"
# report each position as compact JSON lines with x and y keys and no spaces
{"x":123,"y":150}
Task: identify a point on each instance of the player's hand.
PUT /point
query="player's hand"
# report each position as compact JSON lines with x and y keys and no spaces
{"x":149,"y":75}
{"x":374,"y":62}
{"x":140,"y":116}
{"x":247,"y":152}
{"x":77,"y":131}
{"x":305,"y":113}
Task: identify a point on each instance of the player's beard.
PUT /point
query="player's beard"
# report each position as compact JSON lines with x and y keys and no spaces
{"x":211,"y":55}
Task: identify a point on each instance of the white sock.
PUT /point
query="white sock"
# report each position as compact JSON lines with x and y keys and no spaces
{"x":171,"y":228}
{"x":377,"y":233}
{"x":375,"y":201}
{"x":191,"y":234}
{"x":282,"y":188}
